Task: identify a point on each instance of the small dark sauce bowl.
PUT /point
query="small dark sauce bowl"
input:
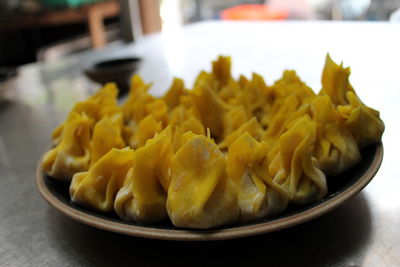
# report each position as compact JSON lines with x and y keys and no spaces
{"x":118,"y":70}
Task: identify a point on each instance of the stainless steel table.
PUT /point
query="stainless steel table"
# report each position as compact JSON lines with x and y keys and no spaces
{"x":362,"y":232}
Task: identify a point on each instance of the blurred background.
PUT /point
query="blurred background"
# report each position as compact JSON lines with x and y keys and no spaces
{"x":44,"y":30}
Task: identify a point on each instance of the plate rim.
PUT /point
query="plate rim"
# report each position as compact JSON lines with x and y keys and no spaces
{"x":210,"y":235}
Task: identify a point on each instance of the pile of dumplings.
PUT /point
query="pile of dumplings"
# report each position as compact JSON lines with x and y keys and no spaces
{"x":227,"y":151}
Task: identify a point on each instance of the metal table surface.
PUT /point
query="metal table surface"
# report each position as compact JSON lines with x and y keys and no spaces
{"x":362,"y":232}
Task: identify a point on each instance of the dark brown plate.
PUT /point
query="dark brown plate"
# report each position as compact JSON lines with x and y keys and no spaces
{"x":341,"y":189}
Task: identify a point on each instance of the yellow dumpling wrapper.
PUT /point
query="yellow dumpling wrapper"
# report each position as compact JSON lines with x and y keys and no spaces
{"x":102,"y":103}
{"x":252,"y":127}
{"x":98,"y":187}
{"x":193,"y":125}
{"x":210,"y":107}
{"x":230,"y":92}
{"x":335,"y":81}
{"x":294,"y":168}
{"x":255,"y":96}
{"x":234,"y":119}
{"x":145,"y":130}
{"x":289,"y":96}
{"x":290,"y":110}
{"x":173,"y":95}
{"x":201,"y":195}
{"x":290,"y":84}
{"x":106,"y":98}
{"x":187,"y":118}
{"x":335,"y":149}
{"x":144,"y":194}
{"x":363,"y":121}
{"x":221,"y":70}
{"x":134,"y":108}
{"x":107,"y":134}
{"x":72,"y":154}
{"x":247,"y":166}
{"x":159,"y":109}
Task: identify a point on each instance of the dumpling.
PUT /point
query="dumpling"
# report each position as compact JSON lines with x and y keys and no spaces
{"x":288,"y":96}
{"x":102,"y":103}
{"x":255,"y":97}
{"x":258,"y":195}
{"x":107,"y":134}
{"x":72,"y":153}
{"x":159,"y":109}
{"x":201,"y":195}
{"x":291,"y":84}
{"x":290,"y":110}
{"x":98,"y":187}
{"x":230,"y":92}
{"x":210,"y":107}
{"x":335,"y":82}
{"x":252,"y":127}
{"x":293,"y":166}
{"x":145,"y":130}
{"x":364,"y":122}
{"x":335,"y":149}
{"x":234,"y":119}
{"x":221,"y":70}
{"x":187,"y":118}
{"x":144,"y":193}
{"x":173,"y":95}
{"x":106,"y":99}
{"x":134,"y":108}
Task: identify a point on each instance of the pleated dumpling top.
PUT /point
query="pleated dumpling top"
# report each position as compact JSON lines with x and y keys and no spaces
{"x":143,"y":196}
{"x":294,"y":167}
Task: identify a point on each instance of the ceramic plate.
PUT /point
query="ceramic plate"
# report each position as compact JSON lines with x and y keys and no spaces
{"x":341,"y":188}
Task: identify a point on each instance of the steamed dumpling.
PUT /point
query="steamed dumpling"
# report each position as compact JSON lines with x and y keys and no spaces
{"x":107,"y":134}
{"x":335,"y":82}
{"x":98,"y":187}
{"x":102,"y":103}
{"x":221,"y":71}
{"x":258,"y":195}
{"x":173,"y":95}
{"x":72,"y":153}
{"x":201,"y":195}
{"x":293,"y":166}
{"x":144,"y":193}
{"x":255,"y":96}
{"x":252,"y":127}
{"x":234,"y":119}
{"x":134,"y":106}
{"x":187,"y":118}
{"x":291,"y":109}
{"x":210,"y":107}
{"x":364,"y":122}
{"x":137,"y":135}
{"x":335,"y":149}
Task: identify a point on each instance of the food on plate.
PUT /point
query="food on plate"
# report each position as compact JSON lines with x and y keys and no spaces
{"x":293,"y":165}
{"x":72,"y":153}
{"x":201,"y":194}
{"x":247,"y":165}
{"x":227,"y":151}
{"x":98,"y":187}
{"x":107,"y":134}
{"x":336,"y":148}
{"x":143,"y":196}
